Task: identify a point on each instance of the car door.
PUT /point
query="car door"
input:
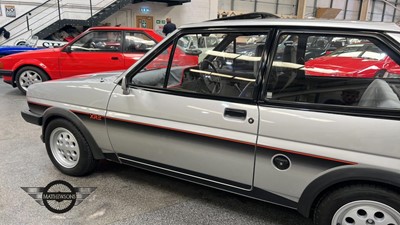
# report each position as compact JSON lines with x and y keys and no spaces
{"x":315,"y":118}
{"x":189,"y":120}
{"x":97,"y":51}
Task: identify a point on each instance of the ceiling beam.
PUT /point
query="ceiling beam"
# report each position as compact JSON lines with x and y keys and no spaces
{"x":169,"y":2}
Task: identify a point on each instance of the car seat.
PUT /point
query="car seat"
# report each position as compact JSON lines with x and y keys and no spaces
{"x":286,"y":76}
{"x":320,"y":44}
{"x":258,"y":53}
{"x":379,"y":94}
{"x":336,"y":45}
{"x":289,"y":53}
{"x":248,"y":89}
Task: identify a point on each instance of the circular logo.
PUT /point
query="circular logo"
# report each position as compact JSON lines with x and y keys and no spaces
{"x":59,"y":196}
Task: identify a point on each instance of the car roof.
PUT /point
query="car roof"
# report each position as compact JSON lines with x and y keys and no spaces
{"x":120,"y":28}
{"x":342,"y":24}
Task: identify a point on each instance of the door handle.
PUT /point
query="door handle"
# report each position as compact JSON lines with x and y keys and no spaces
{"x":235,"y":113}
{"x":114,"y":58}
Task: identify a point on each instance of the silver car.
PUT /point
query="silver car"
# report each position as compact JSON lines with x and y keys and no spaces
{"x":322,"y":139}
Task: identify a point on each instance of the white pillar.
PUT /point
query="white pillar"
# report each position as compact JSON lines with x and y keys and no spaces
{"x":301,"y":8}
{"x":364,"y":9}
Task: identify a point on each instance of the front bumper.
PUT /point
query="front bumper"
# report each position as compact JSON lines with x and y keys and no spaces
{"x":7,"y":76}
{"x":31,"y":117}
{"x":7,"y":81}
{"x":6,"y":73}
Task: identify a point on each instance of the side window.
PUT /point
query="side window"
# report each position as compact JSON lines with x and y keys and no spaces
{"x":137,"y":42}
{"x":334,"y":70}
{"x":219,"y":64}
{"x":98,"y":41}
{"x":155,"y":72}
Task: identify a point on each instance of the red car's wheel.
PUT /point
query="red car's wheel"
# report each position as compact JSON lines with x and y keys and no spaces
{"x":29,"y":75}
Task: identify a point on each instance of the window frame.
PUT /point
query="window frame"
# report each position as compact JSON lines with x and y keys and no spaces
{"x":380,"y":39}
{"x":174,"y":41}
{"x":92,"y":31}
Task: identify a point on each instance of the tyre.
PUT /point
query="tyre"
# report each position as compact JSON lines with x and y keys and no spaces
{"x":23,"y":43}
{"x":29,"y":75}
{"x":68,"y":149}
{"x":360,"y":204}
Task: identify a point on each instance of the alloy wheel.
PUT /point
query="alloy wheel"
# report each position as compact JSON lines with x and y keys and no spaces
{"x":365,"y":212}
{"x":64,"y":147}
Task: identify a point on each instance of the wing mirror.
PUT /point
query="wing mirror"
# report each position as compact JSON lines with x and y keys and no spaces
{"x":67,"y":49}
{"x":125,"y":87}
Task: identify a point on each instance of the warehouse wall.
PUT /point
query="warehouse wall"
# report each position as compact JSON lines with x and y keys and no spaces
{"x":195,"y":11}
{"x":200,"y":10}
{"x":283,"y":8}
{"x":378,"y":7}
{"x":350,"y":9}
{"x":21,"y":7}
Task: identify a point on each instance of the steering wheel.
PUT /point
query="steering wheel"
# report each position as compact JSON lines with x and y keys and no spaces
{"x":212,"y":82}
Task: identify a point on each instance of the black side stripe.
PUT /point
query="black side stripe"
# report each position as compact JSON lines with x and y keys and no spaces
{"x":255,"y":193}
{"x":138,"y":162}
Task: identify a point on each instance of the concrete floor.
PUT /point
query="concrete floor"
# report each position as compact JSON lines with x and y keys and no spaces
{"x":124,"y":195}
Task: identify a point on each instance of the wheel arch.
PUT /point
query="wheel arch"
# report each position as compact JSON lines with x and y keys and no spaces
{"x":341,"y":177}
{"x":34,"y":63}
{"x":55,"y":113}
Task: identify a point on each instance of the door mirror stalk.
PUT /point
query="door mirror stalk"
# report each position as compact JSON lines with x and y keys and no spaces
{"x":67,"y":49}
{"x":125,"y":87}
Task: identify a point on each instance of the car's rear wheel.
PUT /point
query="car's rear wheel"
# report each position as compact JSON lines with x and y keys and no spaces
{"x":23,"y":43}
{"x":29,"y":75}
{"x":360,"y":204}
{"x":68,"y":149}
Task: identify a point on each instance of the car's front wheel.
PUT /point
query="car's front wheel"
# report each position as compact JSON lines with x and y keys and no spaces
{"x":68,"y":149}
{"x":29,"y":75}
{"x":361,"y":204}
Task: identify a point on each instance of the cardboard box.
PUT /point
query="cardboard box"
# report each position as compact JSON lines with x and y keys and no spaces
{"x":327,"y":13}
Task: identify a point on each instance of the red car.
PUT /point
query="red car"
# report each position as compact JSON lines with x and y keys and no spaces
{"x":98,"y":49}
{"x":363,"y":60}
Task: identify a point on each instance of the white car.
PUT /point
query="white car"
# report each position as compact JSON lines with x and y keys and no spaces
{"x":198,"y":44}
{"x":254,"y":124}
{"x":40,"y":43}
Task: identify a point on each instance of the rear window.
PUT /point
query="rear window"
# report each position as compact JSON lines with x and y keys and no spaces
{"x":334,"y":70}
